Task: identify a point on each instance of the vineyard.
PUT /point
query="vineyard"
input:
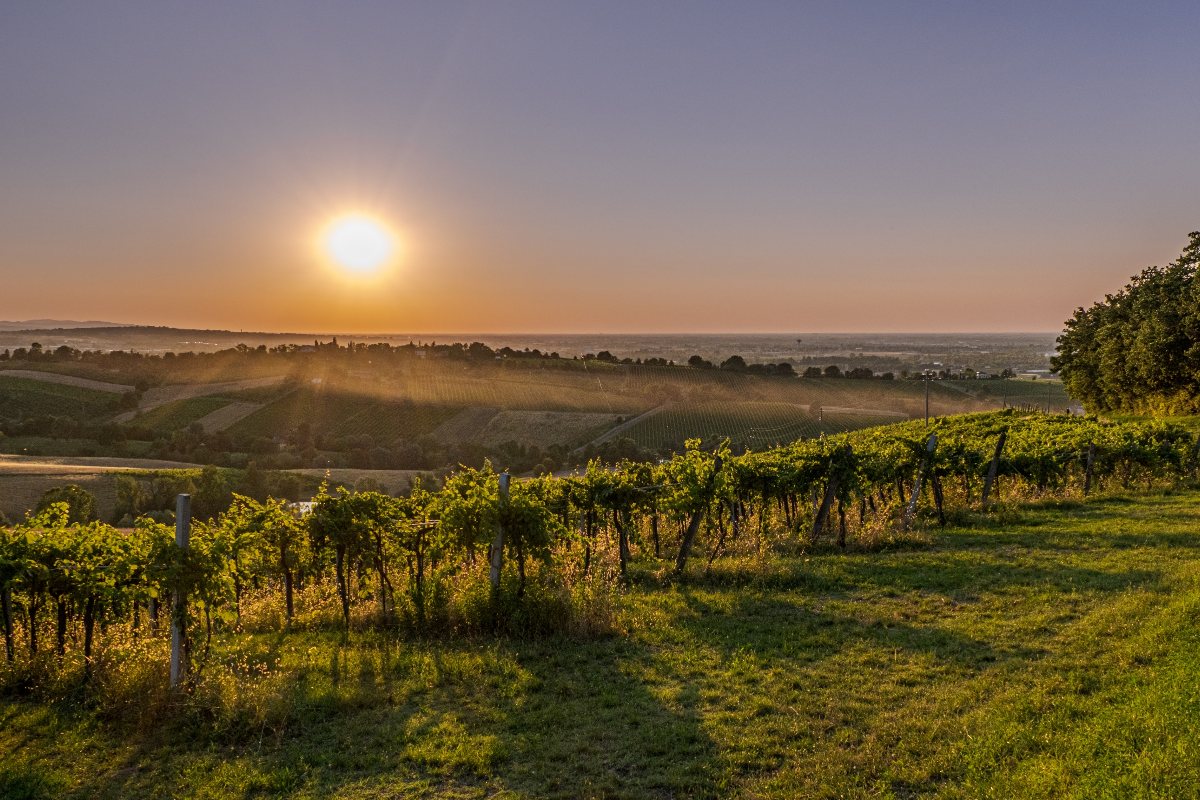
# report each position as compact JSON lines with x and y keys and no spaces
{"x":394,"y":409}
{"x":87,"y":608}
{"x":416,"y":561}
{"x":747,"y":425}
{"x":179,"y":413}
{"x":24,"y":397}
{"x":340,"y":414}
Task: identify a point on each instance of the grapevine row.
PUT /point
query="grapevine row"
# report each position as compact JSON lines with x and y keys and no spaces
{"x":422,"y":561}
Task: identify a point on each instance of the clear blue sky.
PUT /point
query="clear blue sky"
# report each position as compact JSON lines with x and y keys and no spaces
{"x":607,"y":166}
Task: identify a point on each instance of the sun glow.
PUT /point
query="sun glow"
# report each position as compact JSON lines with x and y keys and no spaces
{"x":358,"y":243}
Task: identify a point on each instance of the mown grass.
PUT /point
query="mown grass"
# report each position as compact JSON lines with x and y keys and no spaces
{"x":1051,"y":652}
{"x":178,"y":414}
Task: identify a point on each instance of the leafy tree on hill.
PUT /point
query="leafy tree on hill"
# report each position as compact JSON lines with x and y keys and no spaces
{"x":734,"y":363}
{"x":1139,"y":349}
{"x":81,"y":504}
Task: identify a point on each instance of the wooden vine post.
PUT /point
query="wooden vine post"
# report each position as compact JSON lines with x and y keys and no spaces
{"x":1087,"y":475}
{"x":497,"y":551}
{"x":911,"y":510}
{"x":1194,"y":459}
{"x":992,"y":469}
{"x":6,"y":603}
{"x":183,"y":519}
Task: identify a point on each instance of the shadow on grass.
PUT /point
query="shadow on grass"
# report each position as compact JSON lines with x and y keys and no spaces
{"x":800,"y":635}
{"x":24,"y":783}
{"x":544,"y":718}
{"x":965,"y":580}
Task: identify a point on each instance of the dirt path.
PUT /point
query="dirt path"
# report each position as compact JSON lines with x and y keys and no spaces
{"x":616,"y":431}
{"x":67,"y":380}
{"x":72,"y":465}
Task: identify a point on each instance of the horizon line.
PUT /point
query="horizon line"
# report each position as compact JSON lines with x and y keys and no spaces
{"x":399,"y":333}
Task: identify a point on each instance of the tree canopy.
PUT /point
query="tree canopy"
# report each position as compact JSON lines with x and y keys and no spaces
{"x":1139,"y":349}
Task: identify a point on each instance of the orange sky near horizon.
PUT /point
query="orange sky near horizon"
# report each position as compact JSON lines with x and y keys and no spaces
{"x":585,"y":167}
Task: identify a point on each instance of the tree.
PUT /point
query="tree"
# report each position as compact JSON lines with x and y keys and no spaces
{"x":81,"y":504}
{"x":1139,"y":349}
{"x":132,"y":498}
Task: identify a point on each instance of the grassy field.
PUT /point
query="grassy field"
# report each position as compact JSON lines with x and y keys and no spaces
{"x":1049,"y":651}
{"x":179,"y":414}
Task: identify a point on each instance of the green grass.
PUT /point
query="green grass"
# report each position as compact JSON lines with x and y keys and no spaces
{"x":21,"y":398}
{"x":1053,"y":652}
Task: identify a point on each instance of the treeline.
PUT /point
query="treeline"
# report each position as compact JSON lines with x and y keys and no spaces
{"x":549,"y":554}
{"x":149,"y":369}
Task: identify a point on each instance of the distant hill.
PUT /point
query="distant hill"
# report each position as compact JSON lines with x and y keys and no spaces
{"x":143,"y":338}
{"x":55,"y":324}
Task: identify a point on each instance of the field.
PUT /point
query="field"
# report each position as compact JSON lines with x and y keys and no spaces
{"x":351,"y":408}
{"x":178,"y":414}
{"x":343,"y":414}
{"x":752,"y":425}
{"x":23,"y":479}
{"x":1050,"y":652}
{"x":25,"y":397}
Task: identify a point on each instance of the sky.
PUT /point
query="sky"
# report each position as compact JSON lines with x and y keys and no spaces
{"x":593,"y":166}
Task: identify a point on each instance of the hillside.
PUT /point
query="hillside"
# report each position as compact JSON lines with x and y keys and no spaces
{"x":375,"y":407}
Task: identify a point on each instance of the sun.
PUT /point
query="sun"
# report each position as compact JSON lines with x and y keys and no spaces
{"x":358,"y":243}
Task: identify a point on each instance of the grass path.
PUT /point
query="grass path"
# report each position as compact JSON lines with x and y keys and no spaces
{"x":1052,"y":653}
